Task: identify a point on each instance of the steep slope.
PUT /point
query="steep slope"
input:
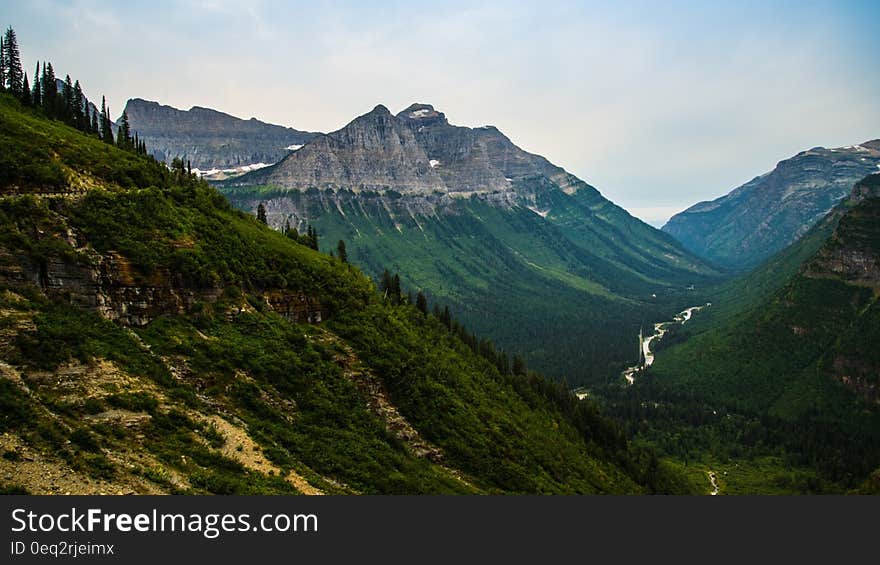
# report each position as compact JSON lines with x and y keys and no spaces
{"x":521,"y":250}
{"x":766,"y":214}
{"x":209,"y":139}
{"x":806,"y":355}
{"x":154,"y":339}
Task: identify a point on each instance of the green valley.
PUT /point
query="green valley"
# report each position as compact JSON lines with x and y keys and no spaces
{"x":785,"y":369}
{"x":520,"y":250}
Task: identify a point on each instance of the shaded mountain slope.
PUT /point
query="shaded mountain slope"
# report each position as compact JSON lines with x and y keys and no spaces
{"x":763,"y":216}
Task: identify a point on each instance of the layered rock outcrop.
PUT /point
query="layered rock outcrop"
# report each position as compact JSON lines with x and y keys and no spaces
{"x":851,"y":253}
{"x":105,"y":283}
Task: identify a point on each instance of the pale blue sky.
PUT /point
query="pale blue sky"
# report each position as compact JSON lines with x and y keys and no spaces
{"x":658,"y":104}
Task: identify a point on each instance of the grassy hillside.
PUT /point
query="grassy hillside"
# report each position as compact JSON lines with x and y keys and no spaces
{"x":221,"y":393}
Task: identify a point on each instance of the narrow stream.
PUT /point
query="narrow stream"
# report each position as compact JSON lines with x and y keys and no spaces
{"x":714,"y":482}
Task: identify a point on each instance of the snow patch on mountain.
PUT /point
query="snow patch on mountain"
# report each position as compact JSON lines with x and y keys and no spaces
{"x":233,"y":171}
{"x":542,"y":213}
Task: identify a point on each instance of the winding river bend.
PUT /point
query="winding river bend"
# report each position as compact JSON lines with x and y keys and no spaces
{"x":646,"y":357}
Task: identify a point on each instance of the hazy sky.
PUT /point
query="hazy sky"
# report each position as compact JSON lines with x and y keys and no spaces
{"x":657,"y":104}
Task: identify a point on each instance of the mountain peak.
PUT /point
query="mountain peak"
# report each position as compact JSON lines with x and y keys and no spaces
{"x":765,"y":215}
{"x":422,"y":113}
{"x":416,"y":151}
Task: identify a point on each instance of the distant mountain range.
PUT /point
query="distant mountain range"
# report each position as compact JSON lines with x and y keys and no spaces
{"x":209,"y":139}
{"x":520,"y":249}
{"x":761,"y":217}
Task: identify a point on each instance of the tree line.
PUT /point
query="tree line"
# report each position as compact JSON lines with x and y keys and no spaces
{"x":390,"y":289}
{"x":68,"y":104}
{"x":309,"y":239}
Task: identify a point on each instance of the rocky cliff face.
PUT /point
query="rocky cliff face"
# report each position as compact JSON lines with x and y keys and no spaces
{"x":415,"y":153}
{"x":852,"y":253}
{"x":375,"y":151}
{"x":771,"y":211}
{"x":105,"y":283}
{"x":210,"y":139}
{"x":474,"y":159}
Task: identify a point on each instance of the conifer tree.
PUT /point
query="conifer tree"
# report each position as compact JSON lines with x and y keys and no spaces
{"x":395,"y":289}
{"x":106,"y":127}
{"x":94,"y":128}
{"x":2,"y":65}
{"x":312,"y":238}
{"x":26,"y":92}
{"x":422,"y":303}
{"x":123,"y":135}
{"x":80,"y":118}
{"x":341,"y":252}
{"x":67,"y":101}
{"x":14,"y":74}
{"x":36,"y":92}
{"x":261,"y":214}
{"x":50,"y":91}
{"x":385,"y":284}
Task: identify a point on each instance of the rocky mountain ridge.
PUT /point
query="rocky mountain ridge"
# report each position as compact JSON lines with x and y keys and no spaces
{"x":210,"y":139}
{"x":766,"y":214}
{"x":415,"y":153}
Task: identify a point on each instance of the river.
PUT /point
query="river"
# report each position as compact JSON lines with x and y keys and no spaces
{"x":646,"y":357}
